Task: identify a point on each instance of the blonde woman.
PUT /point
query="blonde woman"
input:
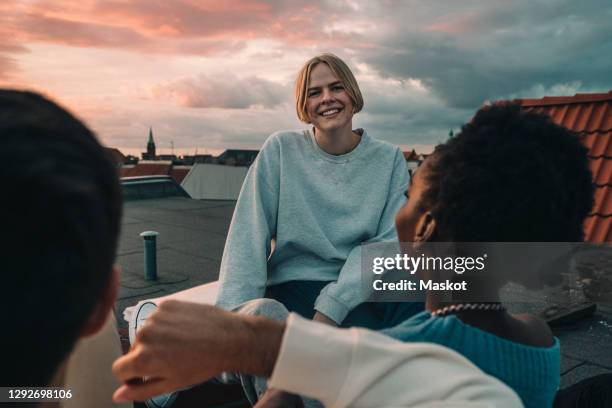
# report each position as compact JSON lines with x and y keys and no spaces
{"x":318,"y":193}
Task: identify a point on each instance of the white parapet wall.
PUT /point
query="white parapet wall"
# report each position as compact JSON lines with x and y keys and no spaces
{"x":214,"y":181}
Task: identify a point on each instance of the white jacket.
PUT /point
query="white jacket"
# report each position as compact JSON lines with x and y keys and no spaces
{"x":362,"y":368}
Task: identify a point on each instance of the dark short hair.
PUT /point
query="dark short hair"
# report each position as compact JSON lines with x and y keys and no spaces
{"x":59,"y":223}
{"x":510,"y":176}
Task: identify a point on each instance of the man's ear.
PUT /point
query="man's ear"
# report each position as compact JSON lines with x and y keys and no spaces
{"x":425,"y":228}
{"x":98,"y":317}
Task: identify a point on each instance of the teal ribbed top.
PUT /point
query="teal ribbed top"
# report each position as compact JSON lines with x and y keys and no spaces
{"x":533,"y":372}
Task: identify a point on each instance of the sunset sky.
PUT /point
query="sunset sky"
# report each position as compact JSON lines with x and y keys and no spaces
{"x":217,"y":74}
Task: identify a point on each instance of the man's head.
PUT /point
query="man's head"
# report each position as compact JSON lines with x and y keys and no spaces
{"x":59,"y":216}
{"x":509,"y":176}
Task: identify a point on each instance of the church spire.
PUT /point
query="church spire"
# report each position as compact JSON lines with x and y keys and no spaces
{"x":151,"y":145}
{"x":151,"y":136}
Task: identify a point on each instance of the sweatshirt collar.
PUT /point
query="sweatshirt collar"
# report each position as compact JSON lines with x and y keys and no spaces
{"x":342,"y":158}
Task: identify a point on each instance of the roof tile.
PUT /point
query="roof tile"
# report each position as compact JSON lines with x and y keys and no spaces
{"x":564,"y":100}
{"x":179,"y":174}
{"x":599,"y":144}
{"x":603,"y":201}
{"x":148,"y":169}
{"x":602,"y":170}
{"x":587,"y":117}
{"x":598,"y":229}
{"x":590,"y":115}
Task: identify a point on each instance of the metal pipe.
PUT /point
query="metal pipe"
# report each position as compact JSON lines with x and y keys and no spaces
{"x":150,"y":254}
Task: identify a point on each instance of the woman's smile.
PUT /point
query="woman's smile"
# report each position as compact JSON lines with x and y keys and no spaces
{"x":330,"y":112}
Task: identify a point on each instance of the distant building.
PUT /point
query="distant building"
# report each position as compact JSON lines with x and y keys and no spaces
{"x":237,"y":157}
{"x":131,"y":160}
{"x":413,"y":160}
{"x":150,"y":153}
{"x":170,"y":157}
{"x":197,"y":158}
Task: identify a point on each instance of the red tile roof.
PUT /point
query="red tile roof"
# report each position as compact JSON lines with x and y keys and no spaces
{"x":590,"y":115}
{"x":179,"y":174}
{"x":147,"y":169}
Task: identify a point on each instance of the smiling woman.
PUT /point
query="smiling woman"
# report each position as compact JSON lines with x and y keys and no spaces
{"x":327,"y":96}
{"x":319,"y":194}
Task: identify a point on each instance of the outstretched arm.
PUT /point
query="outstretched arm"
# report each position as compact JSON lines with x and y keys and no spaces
{"x":185,"y":343}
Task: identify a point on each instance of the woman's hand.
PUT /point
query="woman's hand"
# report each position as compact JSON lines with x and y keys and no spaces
{"x":320,"y":317}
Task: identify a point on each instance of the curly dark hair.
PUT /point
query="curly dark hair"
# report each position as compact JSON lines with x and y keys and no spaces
{"x":59,"y":211}
{"x":510,"y":176}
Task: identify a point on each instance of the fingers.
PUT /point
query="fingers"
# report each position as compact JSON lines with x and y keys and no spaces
{"x":127,"y":367}
{"x":131,"y":369}
{"x":137,"y":363}
{"x":142,"y":391}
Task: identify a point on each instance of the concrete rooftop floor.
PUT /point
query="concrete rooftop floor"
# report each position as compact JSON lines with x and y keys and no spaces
{"x":190,"y":247}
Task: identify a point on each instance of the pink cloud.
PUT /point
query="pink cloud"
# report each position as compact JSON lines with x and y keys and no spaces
{"x":234,"y":19}
{"x":7,"y":66}
{"x":39,"y":28}
{"x":8,"y":63}
{"x":178,"y":27}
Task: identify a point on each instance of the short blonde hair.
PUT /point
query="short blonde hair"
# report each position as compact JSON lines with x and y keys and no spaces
{"x":340,"y":69}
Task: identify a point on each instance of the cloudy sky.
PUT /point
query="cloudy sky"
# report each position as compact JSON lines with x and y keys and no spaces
{"x":212,"y":74}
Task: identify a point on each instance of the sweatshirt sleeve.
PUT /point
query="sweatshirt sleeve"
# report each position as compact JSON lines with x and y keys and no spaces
{"x":338,"y":298}
{"x":362,"y":368}
{"x":243,"y":273}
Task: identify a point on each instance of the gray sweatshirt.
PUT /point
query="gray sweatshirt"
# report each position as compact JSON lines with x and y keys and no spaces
{"x":318,"y":208}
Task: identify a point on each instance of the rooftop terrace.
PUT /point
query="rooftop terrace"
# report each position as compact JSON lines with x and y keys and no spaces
{"x":190,"y":247}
